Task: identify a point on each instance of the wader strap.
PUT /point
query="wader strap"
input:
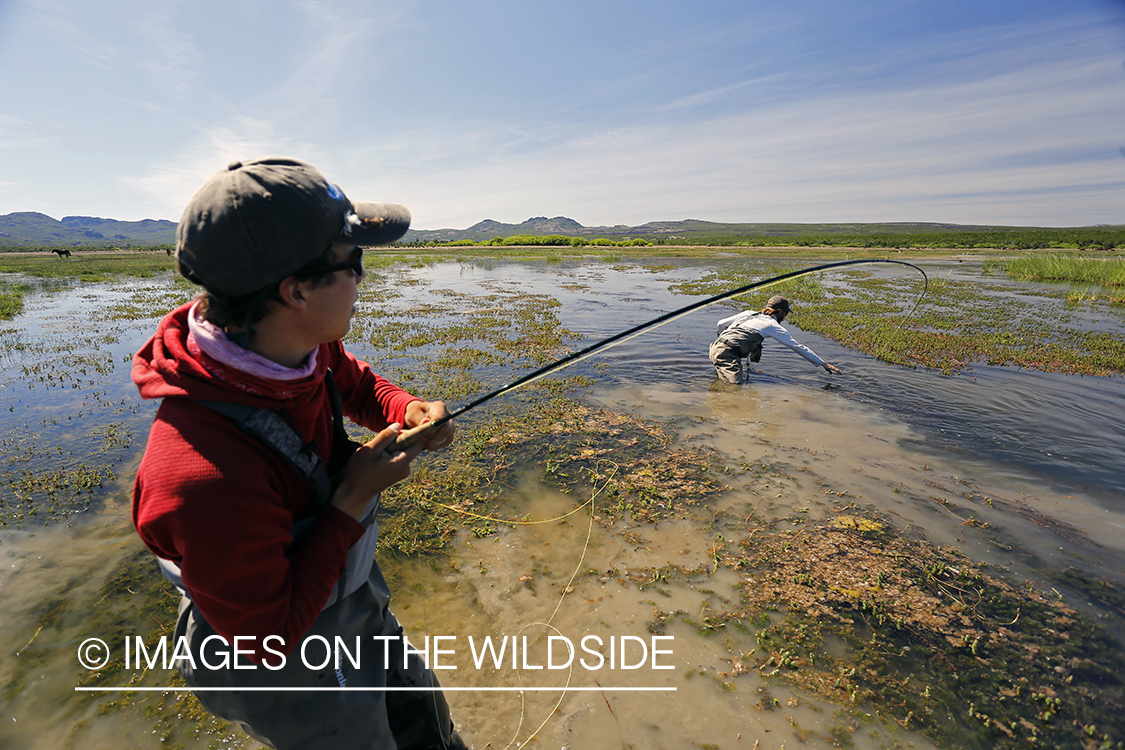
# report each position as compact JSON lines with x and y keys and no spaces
{"x":277,"y":431}
{"x":748,"y":343}
{"x":342,"y":446}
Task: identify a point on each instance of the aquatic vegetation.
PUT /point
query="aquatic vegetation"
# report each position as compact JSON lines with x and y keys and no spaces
{"x":840,"y":604}
{"x":67,"y":490}
{"x":932,"y":640}
{"x":1102,"y":279}
{"x":11,"y":299}
{"x":804,"y":288}
{"x":13,"y":292}
{"x":69,"y":410}
{"x":458,"y":345}
{"x":152,"y":302}
{"x":569,"y":446}
{"x":954,"y":326}
{"x":847,"y":607}
{"x":1071,"y":267}
{"x":454,"y":343}
{"x":89,"y":265}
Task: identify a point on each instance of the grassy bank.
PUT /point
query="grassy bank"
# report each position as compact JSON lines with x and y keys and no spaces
{"x":11,"y":300}
{"x":955,"y":325}
{"x":88,"y":266}
{"x":1076,"y":269}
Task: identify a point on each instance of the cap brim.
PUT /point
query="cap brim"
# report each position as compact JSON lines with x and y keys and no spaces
{"x":379,"y":224}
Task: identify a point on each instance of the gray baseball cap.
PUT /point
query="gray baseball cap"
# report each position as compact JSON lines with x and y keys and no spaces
{"x":257,"y":222}
{"x":778,"y":303}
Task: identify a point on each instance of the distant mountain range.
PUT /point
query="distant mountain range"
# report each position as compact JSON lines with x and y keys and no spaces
{"x":667,"y":230}
{"x":30,"y":229}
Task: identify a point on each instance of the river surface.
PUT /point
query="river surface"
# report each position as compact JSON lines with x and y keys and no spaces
{"x":1046,"y":448}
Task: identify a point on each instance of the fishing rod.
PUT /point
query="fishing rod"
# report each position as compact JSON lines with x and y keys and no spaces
{"x":409,"y":437}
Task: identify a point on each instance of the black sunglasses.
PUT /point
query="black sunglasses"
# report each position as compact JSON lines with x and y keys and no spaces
{"x":353,"y":264}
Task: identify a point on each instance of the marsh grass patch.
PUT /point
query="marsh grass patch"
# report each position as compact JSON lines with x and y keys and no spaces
{"x":1075,"y":268}
{"x":137,"y":601}
{"x":930,"y":640}
{"x":955,"y":325}
{"x":641,"y":473}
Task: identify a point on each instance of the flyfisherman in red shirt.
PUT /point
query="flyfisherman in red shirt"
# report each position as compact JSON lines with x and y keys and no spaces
{"x":252,"y":497}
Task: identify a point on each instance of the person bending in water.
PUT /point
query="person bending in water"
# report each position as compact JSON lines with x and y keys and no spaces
{"x":741,"y":335}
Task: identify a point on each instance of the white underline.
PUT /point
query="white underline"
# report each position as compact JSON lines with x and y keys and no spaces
{"x":380,"y":689}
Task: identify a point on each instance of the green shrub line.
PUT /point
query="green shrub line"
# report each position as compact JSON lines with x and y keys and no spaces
{"x":905,"y":236}
{"x":534,"y":240}
{"x":999,"y":238}
{"x":1066,"y":267}
{"x":1013,"y":239}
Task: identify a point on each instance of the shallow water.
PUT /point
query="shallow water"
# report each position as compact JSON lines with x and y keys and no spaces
{"x":1064,"y":430}
{"x":887,"y":437}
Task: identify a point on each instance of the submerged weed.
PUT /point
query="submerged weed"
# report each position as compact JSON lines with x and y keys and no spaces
{"x":642,"y":474}
{"x":955,"y":325}
{"x":975,"y":651}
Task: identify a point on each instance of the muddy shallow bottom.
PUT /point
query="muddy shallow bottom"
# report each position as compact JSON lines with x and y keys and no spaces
{"x":822,"y":454}
{"x":806,"y":454}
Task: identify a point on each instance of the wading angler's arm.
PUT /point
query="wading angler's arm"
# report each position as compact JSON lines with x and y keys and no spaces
{"x":413,"y":435}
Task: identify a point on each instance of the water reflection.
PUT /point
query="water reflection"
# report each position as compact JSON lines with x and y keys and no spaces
{"x":1066,"y":430}
{"x":1019,"y":450}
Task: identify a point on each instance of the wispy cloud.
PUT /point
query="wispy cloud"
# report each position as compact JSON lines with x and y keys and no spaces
{"x":69,"y":29}
{"x":168,"y":54}
{"x":761,"y":112}
{"x":16,"y":133}
{"x":948,"y":150}
{"x":167,"y":184}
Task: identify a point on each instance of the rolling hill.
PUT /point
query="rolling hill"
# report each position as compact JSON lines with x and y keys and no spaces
{"x":31,"y":229}
{"x":35,"y":230}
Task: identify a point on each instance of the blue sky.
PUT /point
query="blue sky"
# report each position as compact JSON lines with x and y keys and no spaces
{"x":607,"y":112}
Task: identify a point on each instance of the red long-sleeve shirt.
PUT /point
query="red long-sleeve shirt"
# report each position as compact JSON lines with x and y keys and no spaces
{"x":221,"y":505}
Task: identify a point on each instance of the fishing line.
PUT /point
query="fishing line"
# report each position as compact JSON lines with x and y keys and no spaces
{"x":909,"y":315}
{"x":463,"y":512}
{"x":409,"y":438}
{"x":562,"y":597}
{"x":412,"y":436}
{"x":547,"y":625}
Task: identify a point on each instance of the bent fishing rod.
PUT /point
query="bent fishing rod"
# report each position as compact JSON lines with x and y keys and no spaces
{"x":409,"y":437}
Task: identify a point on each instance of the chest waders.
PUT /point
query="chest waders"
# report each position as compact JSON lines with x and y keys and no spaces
{"x":746,"y":341}
{"x":357,"y":609}
{"x":729,"y":349}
